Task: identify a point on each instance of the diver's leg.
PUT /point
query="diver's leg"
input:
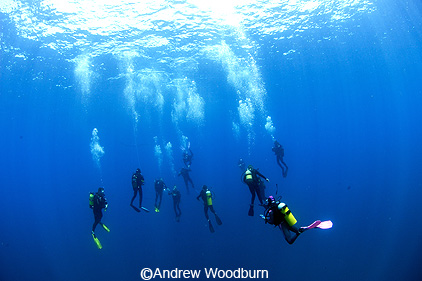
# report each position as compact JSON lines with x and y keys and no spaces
{"x":294,"y":229}
{"x":287,"y":168}
{"x":175,"y":207}
{"x":251,"y":207}
{"x":257,"y":189}
{"x":140,"y":197}
{"x":191,"y":182}
{"x":178,"y":207}
{"x":94,"y":225}
{"x":206,"y":212}
{"x":290,"y":238}
{"x":252,"y":190}
{"x":135,"y":191}
{"x":97,"y":219}
{"x":186,"y":183}
{"x":161,"y":198}
{"x":263,"y":193}
{"x":279,"y":161}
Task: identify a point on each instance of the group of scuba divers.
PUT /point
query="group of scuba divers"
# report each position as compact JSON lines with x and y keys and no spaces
{"x":276,"y":212}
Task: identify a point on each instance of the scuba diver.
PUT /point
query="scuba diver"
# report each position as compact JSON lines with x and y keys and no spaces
{"x":175,"y":194}
{"x":278,"y":214}
{"x":137,"y":183}
{"x":187,"y":156}
{"x":185,"y":174}
{"x":256,"y":185}
{"x":241,"y":164}
{"x":159,"y":187}
{"x":279,"y":153}
{"x":207,"y":197}
{"x":97,"y":202}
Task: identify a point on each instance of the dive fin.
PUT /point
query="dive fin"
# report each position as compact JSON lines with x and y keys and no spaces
{"x":145,"y":209}
{"x":211,"y":227}
{"x":285,"y":172}
{"x":218,"y":220}
{"x":312,"y":225}
{"x":136,"y":209}
{"x":251,"y":211}
{"x":325,"y":225}
{"x":105,"y":227}
{"x":97,"y":241}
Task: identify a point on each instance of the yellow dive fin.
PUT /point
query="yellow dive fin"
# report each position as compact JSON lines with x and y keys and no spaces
{"x":105,"y":227}
{"x":97,"y":241}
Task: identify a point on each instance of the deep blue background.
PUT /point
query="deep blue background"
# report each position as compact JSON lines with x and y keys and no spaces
{"x":347,"y":111}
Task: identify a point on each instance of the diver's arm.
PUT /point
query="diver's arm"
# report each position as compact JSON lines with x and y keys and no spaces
{"x":200,"y":194}
{"x":261,"y":175}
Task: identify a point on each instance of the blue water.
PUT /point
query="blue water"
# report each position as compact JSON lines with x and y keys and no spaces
{"x":337,"y":83}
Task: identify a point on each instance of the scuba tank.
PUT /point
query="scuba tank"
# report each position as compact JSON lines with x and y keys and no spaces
{"x":248,"y":176}
{"x":288,"y":216}
{"x":91,"y":200}
{"x":209,"y":197}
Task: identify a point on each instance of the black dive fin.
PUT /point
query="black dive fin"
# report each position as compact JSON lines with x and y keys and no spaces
{"x":218,"y":220}
{"x":211,"y":227}
{"x":251,"y":211}
{"x":136,"y":209}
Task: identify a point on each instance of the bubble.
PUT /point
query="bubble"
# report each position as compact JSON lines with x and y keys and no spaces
{"x":169,"y":152}
{"x":83,"y":74}
{"x":195,"y":108}
{"x":185,"y":141}
{"x":236,"y":130}
{"x":97,"y":151}
{"x":143,"y":90}
{"x":244,"y":75}
{"x":247,"y":116}
{"x":269,"y":126}
{"x":158,"y":153}
{"x":130,"y":88}
{"x":246,"y":113}
{"x":188,"y":104}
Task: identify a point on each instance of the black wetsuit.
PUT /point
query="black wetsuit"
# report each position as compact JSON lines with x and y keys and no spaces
{"x":255,"y":184}
{"x":137,"y":183}
{"x":159,"y":187}
{"x":100,"y":202}
{"x":275,"y":217}
{"x":185,"y":174}
{"x":279,"y":152}
{"x":175,"y":194}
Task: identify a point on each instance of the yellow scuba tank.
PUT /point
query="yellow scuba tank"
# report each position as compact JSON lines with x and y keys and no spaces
{"x":248,"y":176}
{"x":288,"y":216}
{"x":209,"y":197}
{"x":91,"y":200}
